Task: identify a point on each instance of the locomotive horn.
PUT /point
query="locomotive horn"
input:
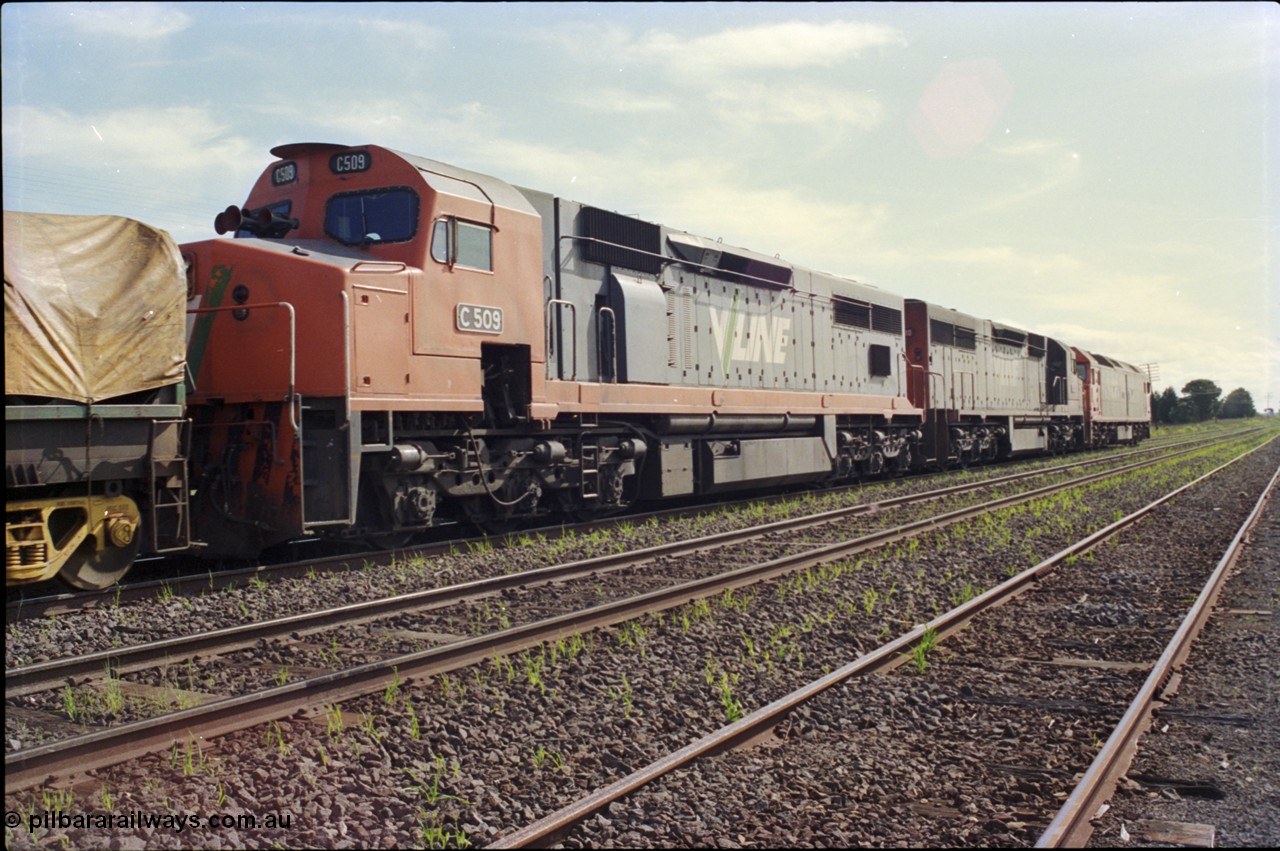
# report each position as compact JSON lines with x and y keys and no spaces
{"x":268,"y":220}
{"x":228,"y":220}
{"x":264,"y":221}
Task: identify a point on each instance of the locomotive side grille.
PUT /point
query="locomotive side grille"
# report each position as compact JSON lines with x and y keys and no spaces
{"x":851,"y":314}
{"x":752,"y":270}
{"x":943,"y":333}
{"x":1008,"y":335}
{"x":686,"y":316}
{"x":886,"y":319}
{"x":632,"y":244}
{"x":673,"y":330}
{"x":946,"y":334}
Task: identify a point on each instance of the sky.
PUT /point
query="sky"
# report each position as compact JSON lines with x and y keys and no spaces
{"x":1103,"y":174}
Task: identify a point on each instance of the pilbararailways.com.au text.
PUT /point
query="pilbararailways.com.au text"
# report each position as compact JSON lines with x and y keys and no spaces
{"x":135,"y":819}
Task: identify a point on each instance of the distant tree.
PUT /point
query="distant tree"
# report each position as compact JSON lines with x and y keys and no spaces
{"x":1202,"y":394}
{"x":1183,"y":412}
{"x":1237,"y":404}
{"x":1165,"y":405}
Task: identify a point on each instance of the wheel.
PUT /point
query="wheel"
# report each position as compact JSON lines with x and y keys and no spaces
{"x":92,"y":569}
{"x":391,"y":540}
{"x":480,"y":516}
{"x":496,"y":527}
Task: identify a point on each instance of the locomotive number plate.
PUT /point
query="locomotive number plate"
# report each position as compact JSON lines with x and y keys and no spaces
{"x":284,"y":173}
{"x":479,"y":319}
{"x":351,"y":162}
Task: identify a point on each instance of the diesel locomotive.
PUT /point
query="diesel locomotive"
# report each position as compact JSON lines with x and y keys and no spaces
{"x":390,"y":343}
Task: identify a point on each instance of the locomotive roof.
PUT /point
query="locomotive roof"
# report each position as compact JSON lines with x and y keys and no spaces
{"x":457,"y":181}
{"x":496,"y":191}
{"x":949,"y":314}
{"x":1111,"y":362}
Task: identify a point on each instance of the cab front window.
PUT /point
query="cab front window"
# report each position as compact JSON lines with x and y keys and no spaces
{"x":372,"y":216}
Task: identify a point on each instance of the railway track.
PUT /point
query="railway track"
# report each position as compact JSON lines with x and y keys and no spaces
{"x":579,"y":824}
{"x":115,"y":662}
{"x":107,"y":746}
{"x":26,"y":604}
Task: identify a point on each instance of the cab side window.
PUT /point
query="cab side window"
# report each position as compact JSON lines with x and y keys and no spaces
{"x":458,"y":243}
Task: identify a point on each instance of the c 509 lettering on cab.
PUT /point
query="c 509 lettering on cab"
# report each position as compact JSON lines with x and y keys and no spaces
{"x":479,"y":319}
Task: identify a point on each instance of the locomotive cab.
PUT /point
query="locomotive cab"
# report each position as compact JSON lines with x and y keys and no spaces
{"x":371,"y":304}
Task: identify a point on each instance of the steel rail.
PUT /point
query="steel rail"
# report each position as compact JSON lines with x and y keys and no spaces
{"x":556,"y":826}
{"x":30,"y":608}
{"x":43,"y":676}
{"x":1072,"y":826}
{"x":101,"y":748}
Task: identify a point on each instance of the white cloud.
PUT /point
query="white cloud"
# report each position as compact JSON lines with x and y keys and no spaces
{"x":159,"y":139}
{"x":1138,"y":317}
{"x":1054,"y":166}
{"x":781,"y":46}
{"x":174,"y":167}
{"x":619,"y":101}
{"x":749,"y":104}
{"x":415,"y":35}
{"x":140,"y":21}
{"x":718,"y":69}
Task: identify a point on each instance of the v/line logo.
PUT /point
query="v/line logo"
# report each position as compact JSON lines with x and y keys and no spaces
{"x":750,"y":337}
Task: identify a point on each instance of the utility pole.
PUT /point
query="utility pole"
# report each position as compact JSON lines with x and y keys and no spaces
{"x":1153,"y":374}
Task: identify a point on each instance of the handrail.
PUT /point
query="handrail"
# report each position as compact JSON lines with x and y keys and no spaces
{"x":924,"y":375}
{"x":352,"y":492}
{"x":573,"y":312}
{"x":292,"y":398}
{"x":378,"y":267}
{"x":613,"y":338}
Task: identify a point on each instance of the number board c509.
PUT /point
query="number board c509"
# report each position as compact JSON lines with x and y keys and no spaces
{"x":350,"y":162}
{"x":479,"y":319}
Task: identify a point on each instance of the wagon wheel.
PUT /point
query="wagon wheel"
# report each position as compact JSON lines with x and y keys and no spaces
{"x":92,"y":569}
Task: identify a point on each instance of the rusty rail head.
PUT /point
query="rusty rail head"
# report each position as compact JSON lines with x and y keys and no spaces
{"x":96,"y":750}
{"x":557,"y":825}
{"x":107,"y":747}
{"x":1072,"y":826}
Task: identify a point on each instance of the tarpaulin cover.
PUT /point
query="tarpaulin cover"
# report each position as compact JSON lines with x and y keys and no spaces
{"x":94,"y":307}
